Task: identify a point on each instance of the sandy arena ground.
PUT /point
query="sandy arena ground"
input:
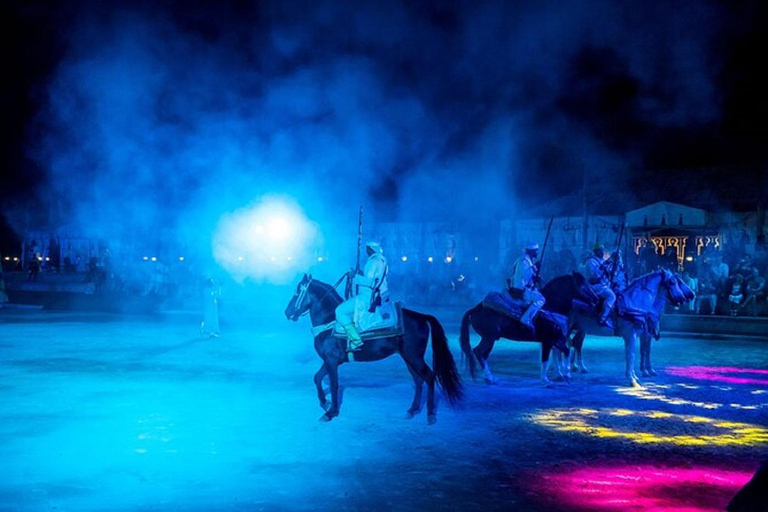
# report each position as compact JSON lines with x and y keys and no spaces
{"x":102,"y":412}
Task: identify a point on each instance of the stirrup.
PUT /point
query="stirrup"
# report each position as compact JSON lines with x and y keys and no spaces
{"x":354,"y":345}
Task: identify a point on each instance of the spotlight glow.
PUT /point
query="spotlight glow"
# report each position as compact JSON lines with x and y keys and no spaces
{"x":641,"y":487}
{"x":272,"y":229}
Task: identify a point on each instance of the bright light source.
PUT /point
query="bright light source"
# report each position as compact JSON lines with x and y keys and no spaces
{"x":269,"y":229}
{"x":448,"y":259}
{"x":7,"y":258}
{"x":39,"y":258}
{"x":477,"y":259}
{"x":154,"y":258}
{"x":319,"y":258}
{"x":404,"y":258}
{"x":689,"y":258}
{"x":15,"y":259}
{"x":181,"y":258}
{"x":430,"y":259}
{"x":145,"y":258}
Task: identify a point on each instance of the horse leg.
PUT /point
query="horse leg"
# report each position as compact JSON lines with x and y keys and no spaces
{"x":577,"y":364}
{"x":333,"y":376}
{"x":630,"y":345}
{"x":645,"y":356}
{"x":482,"y":351}
{"x":546,"y":348}
{"x":426,"y":374}
{"x":418,"y":384}
{"x":319,"y":376}
{"x":562,"y":365}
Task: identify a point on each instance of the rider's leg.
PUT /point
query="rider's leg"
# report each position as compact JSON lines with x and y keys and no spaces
{"x":609,"y":299}
{"x":536,"y":300}
{"x":345,"y":314}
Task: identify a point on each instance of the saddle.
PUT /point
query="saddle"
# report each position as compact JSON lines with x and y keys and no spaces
{"x":386,"y":322}
{"x":646,"y":320}
{"x":505,"y":304}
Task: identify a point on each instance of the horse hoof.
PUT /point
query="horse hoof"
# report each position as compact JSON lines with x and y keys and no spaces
{"x":409,"y":415}
{"x":324,"y":418}
{"x":583,"y":370}
{"x":652,"y":373}
{"x":431,"y":419}
{"x":634,"y":383}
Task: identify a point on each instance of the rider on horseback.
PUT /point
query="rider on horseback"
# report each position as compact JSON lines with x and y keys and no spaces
{"x":370,"y":291}
{"x":599,"y":278}
{"x":525,"y":274}
{"x":616,"y":272}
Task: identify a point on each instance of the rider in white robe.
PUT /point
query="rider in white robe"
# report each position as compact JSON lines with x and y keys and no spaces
{"x":598,"y":278}
{"x":370,"y":290}
{"x":523,"y":283}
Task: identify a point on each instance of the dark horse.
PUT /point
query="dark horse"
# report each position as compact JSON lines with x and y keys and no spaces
{"x":550,"y":323}
{"x":321,"y":299}
{"x":639,"y":308}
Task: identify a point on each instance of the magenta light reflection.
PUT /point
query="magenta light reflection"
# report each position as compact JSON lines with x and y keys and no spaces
{"x":648,"y":488}
{"x":719,"y":373}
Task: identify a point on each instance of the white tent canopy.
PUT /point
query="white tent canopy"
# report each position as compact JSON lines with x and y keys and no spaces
{"x":665,"y":213}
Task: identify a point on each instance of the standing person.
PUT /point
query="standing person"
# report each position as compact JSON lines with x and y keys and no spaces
{"x":211,"y":294}
{"x":600,"y":281}
{"x":522,"y":285}
{"x":370,"y":290}
{"x":34,"y":261}
{"x":692,"y":283}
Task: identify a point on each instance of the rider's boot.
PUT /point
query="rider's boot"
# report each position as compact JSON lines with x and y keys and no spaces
{"x":527,"y":318}
{"x":354,"y":342}
{"x":603,"y":319}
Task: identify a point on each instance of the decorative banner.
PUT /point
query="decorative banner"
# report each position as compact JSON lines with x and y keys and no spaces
{"x":657,"y":392}
{"x":719,"y":373}
{"x":598,"y":423}
{"x":640,"y":487}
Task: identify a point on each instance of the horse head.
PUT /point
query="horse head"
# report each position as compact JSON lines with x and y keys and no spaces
{"x":677,"y":292}
{"x":300,"y":302}
{"x":584,"y":292}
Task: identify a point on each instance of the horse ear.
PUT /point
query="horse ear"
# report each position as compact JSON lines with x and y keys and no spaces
{"x":309,"y":277}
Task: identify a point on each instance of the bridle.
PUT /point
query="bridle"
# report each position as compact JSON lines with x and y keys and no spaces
{"x":304,"y":291}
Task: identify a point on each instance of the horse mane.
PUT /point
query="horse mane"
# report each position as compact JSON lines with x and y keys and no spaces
{"x":327,"y":292}
{"x":641,"y":280}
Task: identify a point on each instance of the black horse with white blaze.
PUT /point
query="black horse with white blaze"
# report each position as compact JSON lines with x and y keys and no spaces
{"x":321,"y":299}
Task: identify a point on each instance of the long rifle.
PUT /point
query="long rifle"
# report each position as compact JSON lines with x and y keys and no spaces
{"x":348,"y":289}
{"x":615,"y":265}
{"x":544,"y":247}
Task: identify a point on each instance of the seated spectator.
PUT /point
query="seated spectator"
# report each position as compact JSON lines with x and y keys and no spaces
{"x":692,"y":283}
{"x":707,"y":294}
{"x":736,"y":295}
{"x":755,"y":292}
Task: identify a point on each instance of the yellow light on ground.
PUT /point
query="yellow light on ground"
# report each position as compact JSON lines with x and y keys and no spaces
{"x":591,"y":422}
{"x":656,"y":392}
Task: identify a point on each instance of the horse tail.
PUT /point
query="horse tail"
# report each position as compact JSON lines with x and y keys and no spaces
{"x":466,"y":349}
{"x":443,"y":363}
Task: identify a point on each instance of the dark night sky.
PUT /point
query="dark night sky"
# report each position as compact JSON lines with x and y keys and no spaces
{"x":653,"y":100}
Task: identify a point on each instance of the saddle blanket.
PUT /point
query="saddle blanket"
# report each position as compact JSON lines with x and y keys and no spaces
{"x":503,"y":303}
{"x":385,"y":322}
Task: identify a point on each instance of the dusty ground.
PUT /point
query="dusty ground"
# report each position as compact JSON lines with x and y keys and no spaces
{"x":108,"y":413}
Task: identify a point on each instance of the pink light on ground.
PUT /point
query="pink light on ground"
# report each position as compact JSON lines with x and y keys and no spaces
{"x":637,"y":487}
{"x":719,"y":373}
